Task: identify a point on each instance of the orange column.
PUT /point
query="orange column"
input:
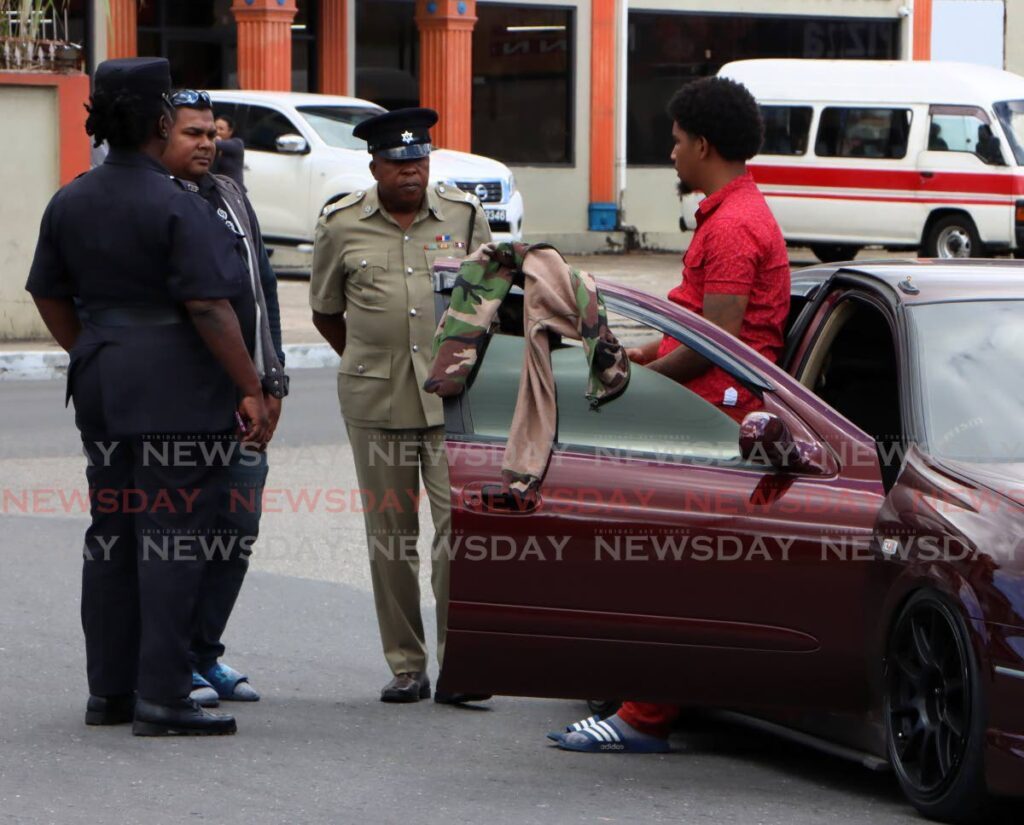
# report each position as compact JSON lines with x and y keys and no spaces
{"x":332,"y":42}
{"x":922,"y":29}
{"x":264,"y":43}
{"x":122,"y":29}
{"x":446,"y":68}
{"x":603,"y":207}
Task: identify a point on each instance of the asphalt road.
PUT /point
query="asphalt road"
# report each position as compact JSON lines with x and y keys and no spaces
{"x":320,"y":747}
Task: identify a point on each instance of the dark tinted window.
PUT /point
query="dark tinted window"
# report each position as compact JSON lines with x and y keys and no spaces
{"x":522,"y":83}
{"x":666,"y":50}
{"x":654,"y":415}
{"x":863,"y":133}
{"x":786,"y":129}
{"x":263,"y":127}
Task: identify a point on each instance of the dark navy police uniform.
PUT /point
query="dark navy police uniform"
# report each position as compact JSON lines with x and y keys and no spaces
{"x":130,"y":245}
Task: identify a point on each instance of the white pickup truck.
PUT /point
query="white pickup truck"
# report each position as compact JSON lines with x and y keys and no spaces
{"x":300,"y":155}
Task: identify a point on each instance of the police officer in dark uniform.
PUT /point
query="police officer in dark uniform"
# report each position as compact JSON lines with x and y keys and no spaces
{"x":134,"y":276}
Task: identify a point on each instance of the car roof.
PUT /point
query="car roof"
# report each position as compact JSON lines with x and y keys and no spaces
{"x":934,"y":280}
{"x":288,"y":98}
{"x":875,"y":81}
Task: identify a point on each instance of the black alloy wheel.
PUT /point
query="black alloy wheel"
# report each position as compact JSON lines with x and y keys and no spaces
{"x":934,"y":711}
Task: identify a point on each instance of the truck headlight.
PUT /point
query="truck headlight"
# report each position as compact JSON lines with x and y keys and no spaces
{"x":510,"y":187}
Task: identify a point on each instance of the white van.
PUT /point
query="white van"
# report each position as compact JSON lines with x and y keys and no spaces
{"x":905,"y":155}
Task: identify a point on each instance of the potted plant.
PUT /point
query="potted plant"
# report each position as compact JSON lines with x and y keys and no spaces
{"x":33,"y":37}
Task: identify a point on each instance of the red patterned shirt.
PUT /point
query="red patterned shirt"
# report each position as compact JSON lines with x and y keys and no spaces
{"x":737,"y":249}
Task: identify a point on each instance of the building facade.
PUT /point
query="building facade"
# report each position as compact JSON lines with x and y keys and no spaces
{"x":570,"y":93}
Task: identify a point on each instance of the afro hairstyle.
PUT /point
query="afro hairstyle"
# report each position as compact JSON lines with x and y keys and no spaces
{"x":723,"y":112}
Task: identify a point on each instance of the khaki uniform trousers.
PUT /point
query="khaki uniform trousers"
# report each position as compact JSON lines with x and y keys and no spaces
{"x":388,"y":467}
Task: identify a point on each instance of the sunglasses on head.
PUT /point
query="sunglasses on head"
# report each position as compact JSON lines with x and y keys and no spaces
{"x":190,"y":97}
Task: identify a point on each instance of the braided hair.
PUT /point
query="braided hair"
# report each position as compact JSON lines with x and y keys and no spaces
{"x":122,"y":119}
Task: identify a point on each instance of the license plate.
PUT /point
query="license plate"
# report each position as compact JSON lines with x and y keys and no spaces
{"x":496,"y":215}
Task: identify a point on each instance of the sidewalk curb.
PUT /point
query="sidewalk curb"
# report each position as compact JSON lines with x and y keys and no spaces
{"x":43,"y":365}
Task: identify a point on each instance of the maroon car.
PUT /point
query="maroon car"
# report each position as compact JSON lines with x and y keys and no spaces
{"x":847,"y":564}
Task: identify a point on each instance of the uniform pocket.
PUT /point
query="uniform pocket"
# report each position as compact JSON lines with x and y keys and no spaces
{"x":365,"y":276}
{"x":364,"y":388}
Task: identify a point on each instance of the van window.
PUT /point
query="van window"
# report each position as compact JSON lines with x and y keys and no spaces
{"x":955,"y":129}
{"x":786,"y":129}
{"x":1011,"y":115}
{"x":863,"y":133}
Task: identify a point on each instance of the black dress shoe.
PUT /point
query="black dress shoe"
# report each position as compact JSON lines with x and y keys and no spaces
{"x":181,"y":718}
{"x":442,"y":697}
{"x":406,"y":687}
{"x":110,"y":710}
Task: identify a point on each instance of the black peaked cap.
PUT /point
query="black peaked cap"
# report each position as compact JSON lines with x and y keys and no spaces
{"x":403,"y":134}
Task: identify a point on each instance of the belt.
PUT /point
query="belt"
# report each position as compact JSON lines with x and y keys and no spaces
{"x":136,"y":316}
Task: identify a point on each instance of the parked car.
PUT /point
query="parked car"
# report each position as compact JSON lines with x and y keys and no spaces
{"x":847,"y":563}
{"x":300,"y":156}
{"x":899,"y":154}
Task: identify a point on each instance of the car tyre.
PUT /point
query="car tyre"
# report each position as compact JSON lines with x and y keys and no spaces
{"x":833,"y":253}
{"x":934,"y":712}
{"x":952,"y":236}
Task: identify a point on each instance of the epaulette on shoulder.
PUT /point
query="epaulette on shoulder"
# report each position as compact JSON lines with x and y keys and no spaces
{"x":187,"y":185}
{"x":453,"y":193}
{"x":346,"y":201}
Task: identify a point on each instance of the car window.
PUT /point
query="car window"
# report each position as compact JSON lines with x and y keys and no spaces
{"x":654,"y":415}
{"x":262,"y":128}
{"x":334,"y":124}
{"x":863,"y":133}
{"x":970,"y":131}
{"x":786,"y":129}
{"x":228,"y":110}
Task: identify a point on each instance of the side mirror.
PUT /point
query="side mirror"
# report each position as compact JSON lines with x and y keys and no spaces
{"x":292,"y":145}
{"x":765,"y":439}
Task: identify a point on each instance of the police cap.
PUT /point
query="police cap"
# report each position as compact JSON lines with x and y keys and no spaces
{"x":403,"y":134}
{"x":147,"y":77}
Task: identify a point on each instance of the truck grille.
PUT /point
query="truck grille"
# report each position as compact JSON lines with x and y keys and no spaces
{"x":488,"y":191}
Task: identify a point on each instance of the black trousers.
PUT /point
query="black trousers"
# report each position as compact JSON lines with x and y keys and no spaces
{"x":239,"y":524}
{"x":155,"y":505}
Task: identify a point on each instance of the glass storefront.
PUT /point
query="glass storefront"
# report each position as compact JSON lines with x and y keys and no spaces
{"x":667,"y":50}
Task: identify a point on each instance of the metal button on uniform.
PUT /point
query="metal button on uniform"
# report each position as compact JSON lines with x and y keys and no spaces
{"x":412,"y":312}
{"x":360,"y":369}
{"x":415,"y":347}
{"x":273,"y":369}
{"x":367,"y":210}
{"x":408,"y":270}
{"x":362,"y":264}
{"x":406,"y":238}
{"x":440,"y":189}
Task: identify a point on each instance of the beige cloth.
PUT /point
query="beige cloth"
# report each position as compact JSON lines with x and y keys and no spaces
{"x":552,"y":304}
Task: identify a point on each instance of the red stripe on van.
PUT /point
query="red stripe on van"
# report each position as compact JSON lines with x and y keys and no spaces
{"x":903,"y":180}
{"x":769,"y":193}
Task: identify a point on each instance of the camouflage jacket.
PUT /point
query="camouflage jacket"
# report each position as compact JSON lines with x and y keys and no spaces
{"x":557,"y":299}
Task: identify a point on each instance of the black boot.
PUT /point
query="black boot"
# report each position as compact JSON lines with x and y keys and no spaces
{"x":110,"y":710}
{"x":181,"y":718}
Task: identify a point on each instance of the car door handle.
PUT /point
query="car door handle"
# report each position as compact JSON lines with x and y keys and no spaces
{"x":927,"y":175}
{"x":494,"y":498}
{"x":246,"y":167}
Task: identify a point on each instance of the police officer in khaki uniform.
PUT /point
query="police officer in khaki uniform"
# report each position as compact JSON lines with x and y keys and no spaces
{"x":373,"y":302}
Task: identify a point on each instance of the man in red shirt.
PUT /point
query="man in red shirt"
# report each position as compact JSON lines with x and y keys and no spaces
{"x":736,"y":274}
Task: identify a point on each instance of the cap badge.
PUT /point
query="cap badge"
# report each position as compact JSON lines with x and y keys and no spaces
{"x":407,"y":136}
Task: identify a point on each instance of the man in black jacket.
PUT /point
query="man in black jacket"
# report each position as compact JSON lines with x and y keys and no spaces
{"x":189,"y":155}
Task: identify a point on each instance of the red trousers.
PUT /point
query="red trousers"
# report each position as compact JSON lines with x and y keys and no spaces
{"x":652,"y":718}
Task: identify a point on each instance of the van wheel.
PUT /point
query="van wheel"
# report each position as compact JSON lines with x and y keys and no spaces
{"x":953,"y":236}
{"x":831,"y":253}
{"x":934,"y":712}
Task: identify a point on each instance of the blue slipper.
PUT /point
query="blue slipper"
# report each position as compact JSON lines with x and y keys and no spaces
{"x":556,"y":735}
{"x":203,"y":692}
{"x":230,"y":685}
{"x":612,"y":736}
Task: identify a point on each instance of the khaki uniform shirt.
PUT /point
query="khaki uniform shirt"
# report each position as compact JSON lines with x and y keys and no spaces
{"x":367,"y":267}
